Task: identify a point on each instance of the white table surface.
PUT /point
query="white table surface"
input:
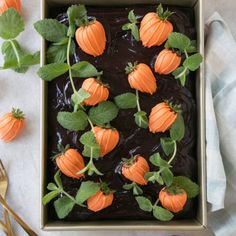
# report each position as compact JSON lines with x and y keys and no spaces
{"x":21,"y":157}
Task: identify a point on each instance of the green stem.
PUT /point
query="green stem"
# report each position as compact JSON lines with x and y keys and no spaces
{"x":182,"y":73}
{"x":68,"y":62}
{"x":90,"y":123}
{"x":137,"y":100}
{"x":71,"y":198}
{"x":186,"y":54}
{"x":16,"y":52}
{"x":156,"y":202}
{"x":174,"y":153}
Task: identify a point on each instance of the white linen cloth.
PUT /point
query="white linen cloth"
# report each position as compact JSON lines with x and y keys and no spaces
{"x":220,"y":61}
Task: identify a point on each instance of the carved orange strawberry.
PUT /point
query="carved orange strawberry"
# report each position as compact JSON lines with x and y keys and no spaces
{"x":155,"y":27}
{"x":6,"y":4}
{"x":167,"y":61}
{"x":141,"y":77}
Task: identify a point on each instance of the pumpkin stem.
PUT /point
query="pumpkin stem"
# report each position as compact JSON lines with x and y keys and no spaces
{"x":130,"y":161}
{"x":104,"y":187}
{"x":174,"y":190}
{"x":163,"y":15}
{"x":18,"y":114}
{"x":176,"y":108}
{"x":130,"y":67}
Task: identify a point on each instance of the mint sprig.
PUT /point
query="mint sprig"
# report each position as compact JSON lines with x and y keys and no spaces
{"x":134,"y":187}
{"x":163,"y":15}
{"x":184,"y":45}
{"x":126,"y":101}
{"x":15,"y":58}
{"x":132,"y":25}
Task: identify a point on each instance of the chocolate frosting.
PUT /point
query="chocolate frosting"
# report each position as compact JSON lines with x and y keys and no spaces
{"x":121,"y":48}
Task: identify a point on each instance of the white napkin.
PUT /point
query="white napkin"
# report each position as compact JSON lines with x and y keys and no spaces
{"x":220,"y":78}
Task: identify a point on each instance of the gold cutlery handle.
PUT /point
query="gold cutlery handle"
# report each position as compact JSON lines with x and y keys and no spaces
{"x":3,"y":226}
{"x":27,"y":229}
{"x":8,"y":224}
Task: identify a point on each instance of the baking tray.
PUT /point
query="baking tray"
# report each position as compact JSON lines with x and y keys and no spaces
{"x":194,"y":224}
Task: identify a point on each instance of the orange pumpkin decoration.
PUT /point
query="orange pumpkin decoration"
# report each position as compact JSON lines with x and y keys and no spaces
{"x":107,"y":139}
{"x":70,"y":162}
{"x":167,"y":61}
{"x":11,"y":124}
{"x":155,"y":27}
{"x":173,"y":198}
{"x":5,"y":4}
{"x":98,"y":91}
{"x":91,"y":38}
{"x":162,"y":117}
{"x":141,"y":77}
{"x":102,"y":199}
{"x":135,"y":169}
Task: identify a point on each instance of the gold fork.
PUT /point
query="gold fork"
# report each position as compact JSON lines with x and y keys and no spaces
{"x":3,"y":191}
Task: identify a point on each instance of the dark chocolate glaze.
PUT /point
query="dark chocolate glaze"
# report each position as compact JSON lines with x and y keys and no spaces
{"x":120,"y":49}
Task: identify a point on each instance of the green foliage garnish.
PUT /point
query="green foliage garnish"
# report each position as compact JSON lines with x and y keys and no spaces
{"x":63,"y":206}
{"x":132,"y":25}
{"x":15,"y":58}
{"x":136,"y":189}
{"x":177,"y":130}
{"x":168,"y":145}
{"x":73,"y":121}
{"x":163,"y":15}
{"x":182,"y":43}
{"x":126,"y":101}
{"x":104,"y":113}
{"x":141,"y":119}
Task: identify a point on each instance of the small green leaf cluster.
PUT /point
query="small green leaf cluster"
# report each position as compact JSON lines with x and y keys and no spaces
{"x":184,"y":45}
{"x":15,"y":58}
{"x":135,"y":188}
{"x":65,"y":203}
{"x":132,"y":25}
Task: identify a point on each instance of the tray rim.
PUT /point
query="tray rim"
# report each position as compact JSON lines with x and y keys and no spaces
{"x":200,"y":223}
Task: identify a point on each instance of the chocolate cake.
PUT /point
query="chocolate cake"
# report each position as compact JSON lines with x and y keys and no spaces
{"x":121,"y":48}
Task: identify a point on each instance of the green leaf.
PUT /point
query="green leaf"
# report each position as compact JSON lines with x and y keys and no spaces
{"x":156,"y":160}
{"x":137,"y":190}
{"x":30,"y":59}
{"x":191,"y":188}
{"x":88,"y":139}
{"x":104,"y":113}
{"x":178,"y":41}
{"x":11,"y":24}
{"x":141,"y":119}
{"x":48,"y":197}
{"x":126,"y":26}
{"x":86,"y":190}
{"x":73,"y":121}
{"x":144,"y":204}
{"x":177,"y":73}
{"x":58,"y":53}
{"x":167,"y":145}
{"x":57,"y":179}
{"x":167,"y":176}
{"x":52,"y":187}
{"x":128,"y":186}
{"x":193,"y":62}
{"x":52,"y":71}
{"x":51,"y":30}
{"x":135,"y":31}
{"x":193,"y":47}
{"x":126,"y":101}
{"x":93,"y":151}
{"x":78,"y":97}
{"x":84,"y":69}
{"x":178,"y":129}
{"x":162,"y":214}
{"x":131,"y":16}
{"x":63,"y":206}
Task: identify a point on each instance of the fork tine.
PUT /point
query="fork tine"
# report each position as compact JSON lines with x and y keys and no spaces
{"x":2,"y":170}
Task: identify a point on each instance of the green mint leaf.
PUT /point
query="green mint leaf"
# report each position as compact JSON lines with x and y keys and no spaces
{"x":131,"y":16}
{"x":177,"y":130}
{"x":192,"y":47}
{"x":191,"y":188}
{"x":52,"y":71}
{"x":104,"y":113}
{"x":78,"y":97}
{"x":30,"y":59}
{"x":73,"y":121}
{"x":57,"y":179}
{"x":178,"y":41}
{"x":51,"y":30}
{"x":88,"y":139}
{"x":87,"y":189}
{"x":162,"y":214}
{"x":193,"y":62}
{"x":137,"y":190}
{"x":167,"y":176}
{"x":182,"y":79}
{"x":144,"y":204}
{"x":167,"y":145}
{"x":52,"y":187}
{"x":156,"y":160}
{"x":150,"y":177}
{"x":160,"y":10}
{"x":135,"y":31}
{"x":91,"y":151}
{"x":141,"y":119}
{"x":11,"y":24}
{"x":63,"y":206}
{"x":84,"y":69}
{"x":48,"y":197}
{"x":126,"y":26}
{"x":128,"y":186}
{"x":158,"y":178}
{"x":126,"y":101}
{"x":177,"y":73}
